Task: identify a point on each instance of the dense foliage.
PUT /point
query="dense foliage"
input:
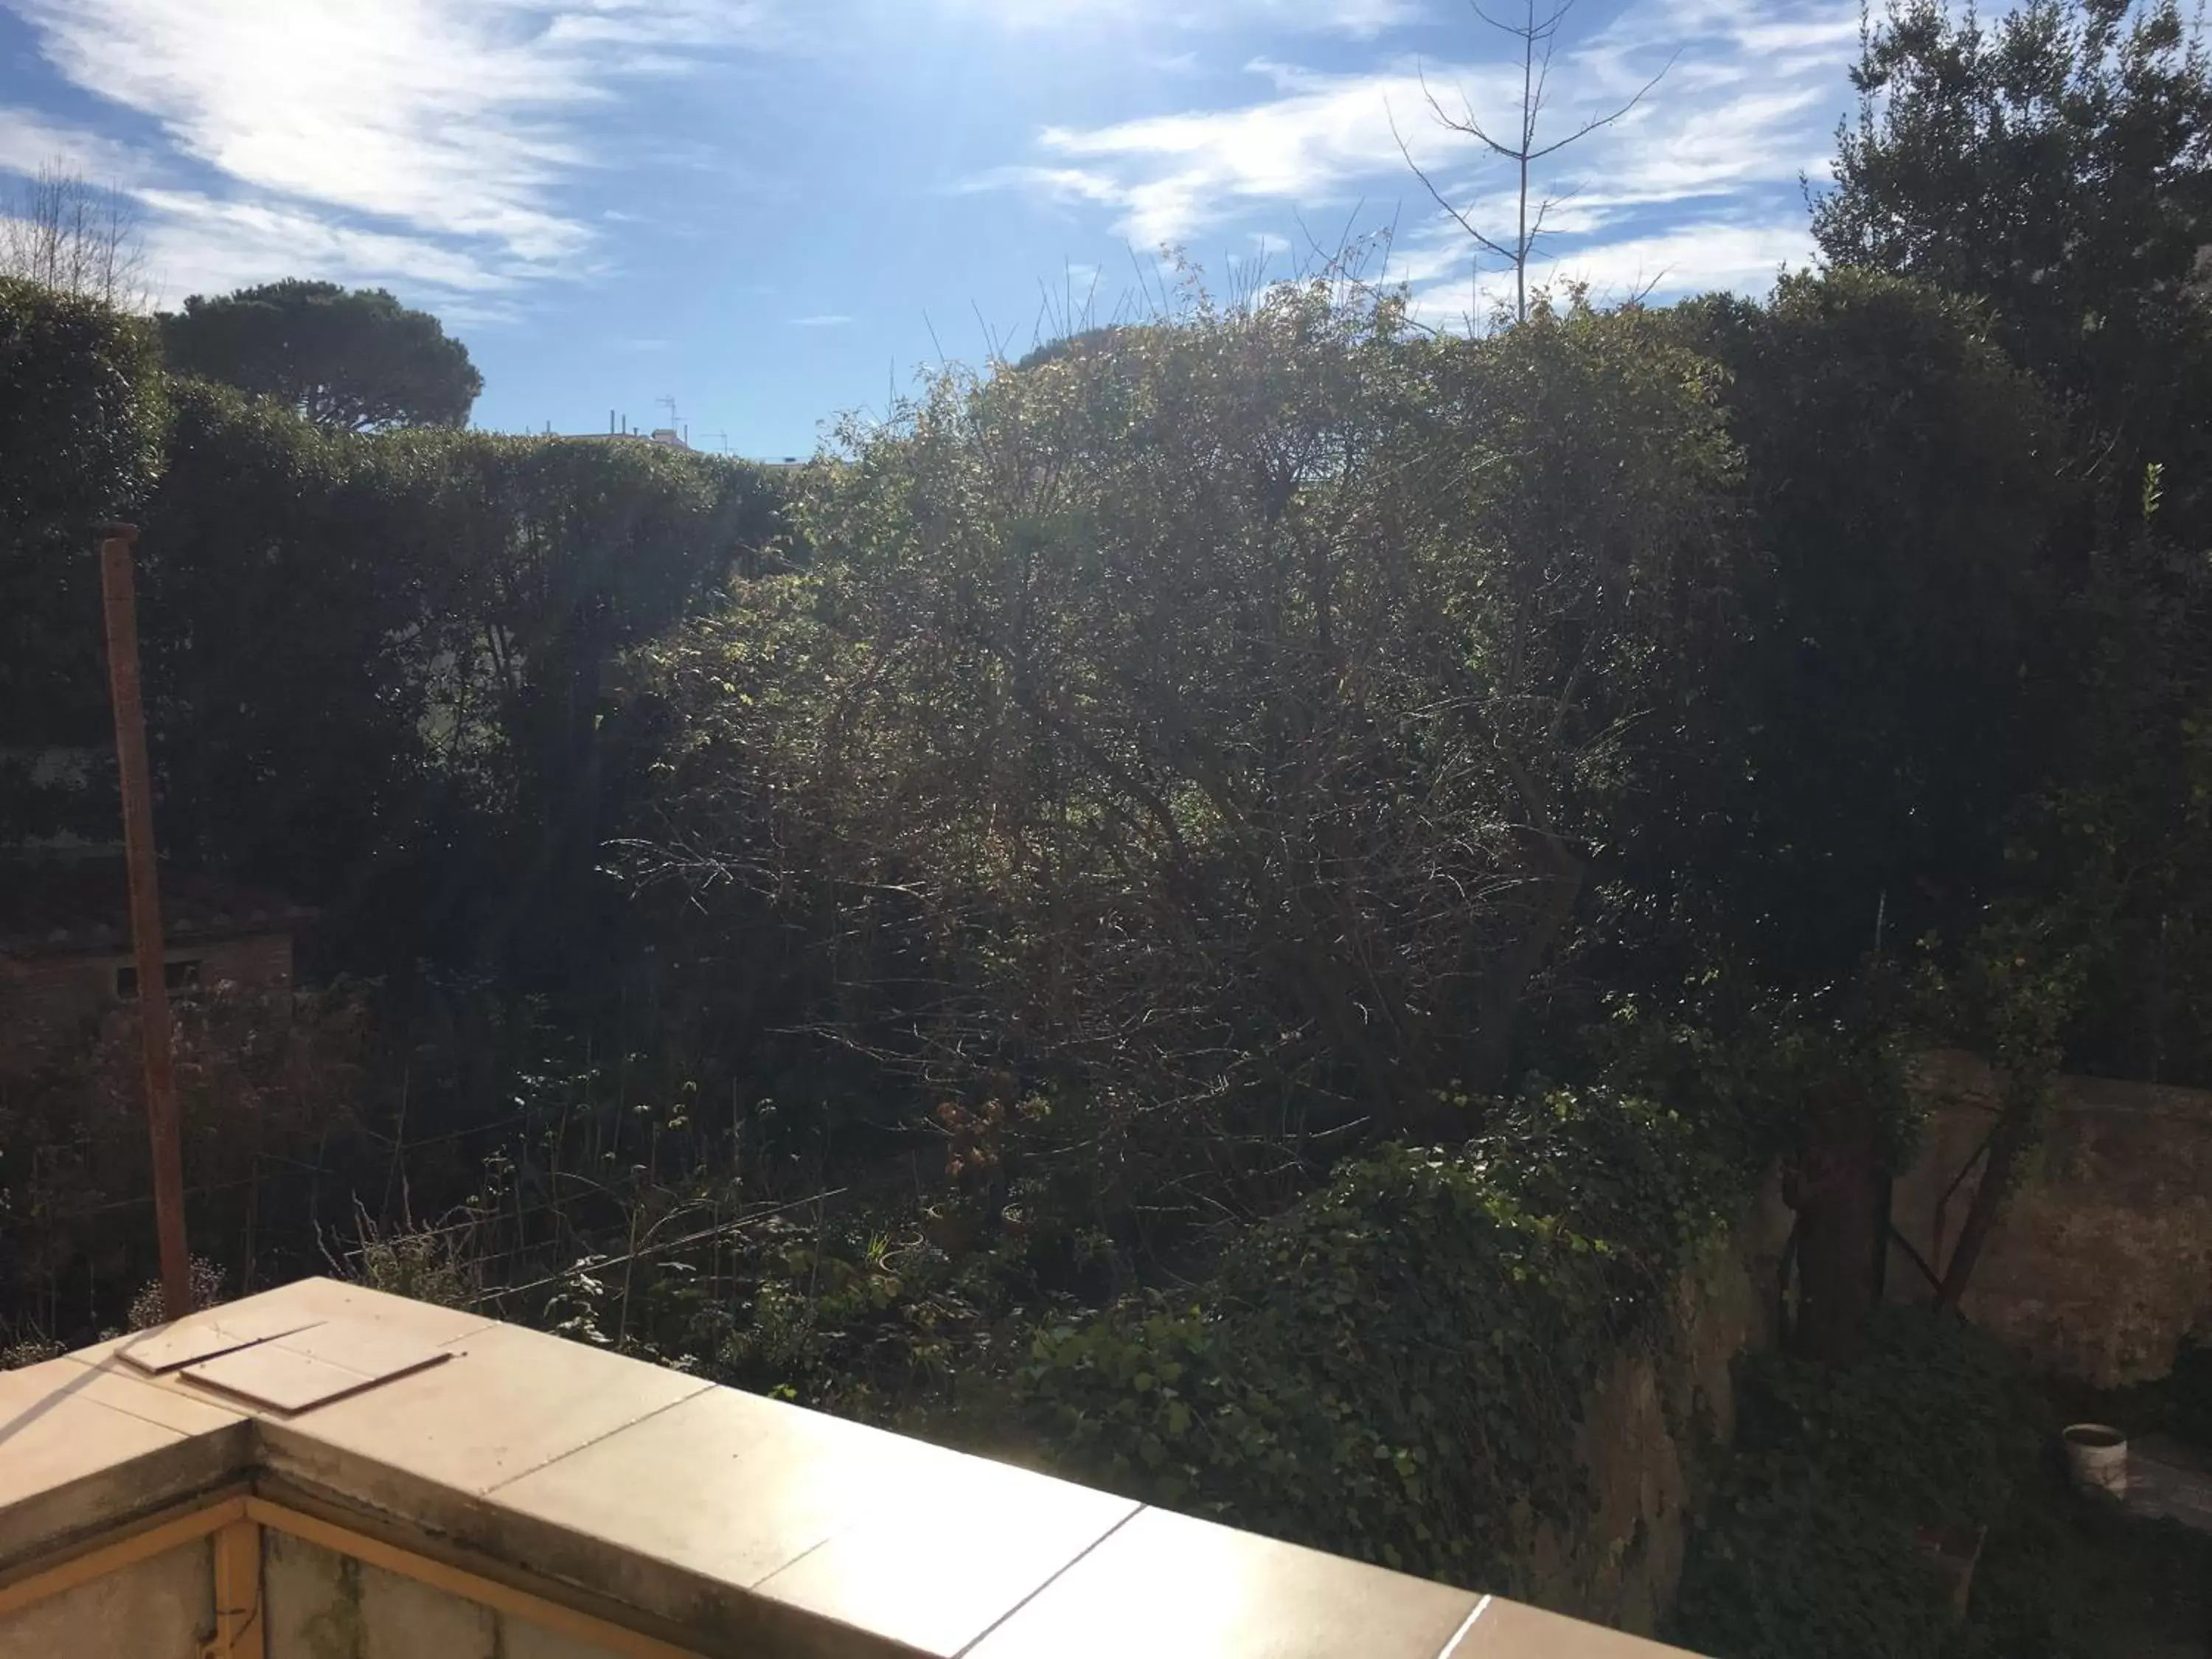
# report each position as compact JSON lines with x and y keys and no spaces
{"x":1395,"y":1369}
{"x":79,"y":442}
{"x":380,"y":681}
{"x":1207,"y":728}
{"x":2056,"y":159}
{"x":412,"y":640}
{"x":353,"y":360}
{"x":1814,"y":1545}
{"x":2055,"y":162}
{"x":1227,"y":906}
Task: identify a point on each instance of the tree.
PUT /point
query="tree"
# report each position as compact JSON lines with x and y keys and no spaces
{"x":1538,"y":36}
{"x":61,"y":232}
{"x":1210,"y":726}
{"x":355,"y":360}
{"x":1905,"y":664}
{"x":2057,"y":163}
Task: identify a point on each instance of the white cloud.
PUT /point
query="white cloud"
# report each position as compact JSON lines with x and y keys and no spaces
{"x":822,"y":319}
{"x":29,"y":141}
{"x":1360,"y":20}
{"x":1687,"y":258}
{"x":198,"y":244}
{"x":1172,"y":176}
{"x":426,"y":139}
{"x":1448,"y":287}
{"x":1746,"y":109}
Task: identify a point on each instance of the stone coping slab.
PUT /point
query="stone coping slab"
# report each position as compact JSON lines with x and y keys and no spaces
{"x":735,"y":1523}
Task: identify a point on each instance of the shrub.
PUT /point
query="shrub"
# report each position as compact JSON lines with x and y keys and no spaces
{"x":1389,"y":1368}
{"x":1809,"y":1550}
{"x":81,"y":419}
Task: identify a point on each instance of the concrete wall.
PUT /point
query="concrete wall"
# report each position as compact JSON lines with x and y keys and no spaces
{"x":324,"y":1606}
{"x":2102,"y":1263}
{"x":1648,"y":1430}
{"x":162,"y":1608}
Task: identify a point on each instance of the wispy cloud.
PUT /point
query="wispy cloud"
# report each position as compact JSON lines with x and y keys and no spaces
{"x":30,"y":141}
{"x":822,"y":319}
{"x":1360,"y":20}
{"x":428,"y":140}
{"x":1744,"y":111}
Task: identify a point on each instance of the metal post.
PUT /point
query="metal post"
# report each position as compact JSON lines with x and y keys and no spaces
{"x":119,"y":597}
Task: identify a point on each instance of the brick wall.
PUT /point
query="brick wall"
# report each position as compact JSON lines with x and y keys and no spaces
{"x":48,"y":1004}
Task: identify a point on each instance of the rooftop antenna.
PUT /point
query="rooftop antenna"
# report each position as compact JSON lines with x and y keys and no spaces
{"x":667,"y":401}
{"x":722,"y":440}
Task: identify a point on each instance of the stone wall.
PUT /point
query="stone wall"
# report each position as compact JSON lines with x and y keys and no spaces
{"x":160,"y":1608}
{"x":1648,"y":1430}
{"x":325,"y":1606}
{"x":2102,"y":1262}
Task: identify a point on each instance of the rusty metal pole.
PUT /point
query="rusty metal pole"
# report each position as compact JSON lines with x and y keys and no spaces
{"x":119,"y":595}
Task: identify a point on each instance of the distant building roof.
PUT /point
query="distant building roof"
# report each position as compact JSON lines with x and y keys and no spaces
{"x":666,"y":437}
{"x":78,"y":906}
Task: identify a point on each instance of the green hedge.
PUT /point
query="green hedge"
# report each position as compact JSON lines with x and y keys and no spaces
{"x":381,"y":671}
{"x":1389,"y":1368}
{"x":80,"y":422}
{"x":359,"y":644}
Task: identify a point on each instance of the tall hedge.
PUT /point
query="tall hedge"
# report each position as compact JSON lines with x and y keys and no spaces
{"x":382,"y":664}
{"x":80,"y":422}
{"x":378,"y":668}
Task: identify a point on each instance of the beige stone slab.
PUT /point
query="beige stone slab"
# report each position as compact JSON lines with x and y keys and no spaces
{"x":313,"y":1300}
{"x":70,"y":1463}
{"x":52,"y":1431}
{"x":1171,"y":1586}
{"x":1514,"y":1630}
{"x":121,"y":1388}
{"x":331,"y":1299}
{"x":284,"y":1379}
{"x":725,"y":1486}
{"x":372,"y":1349}
{"x":170,"y":1347}
{"x":935,"y":1562}
{"x":506,"y":1401}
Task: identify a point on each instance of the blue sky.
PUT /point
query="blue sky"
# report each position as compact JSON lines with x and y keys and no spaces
{"x":775,"y":210}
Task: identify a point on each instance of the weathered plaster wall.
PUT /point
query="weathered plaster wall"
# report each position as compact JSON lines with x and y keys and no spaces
{"x":324,"y":1606}
{"x":1648,"y":1430}
{"x":162,"y":1608}
{"x":2102,"y":1263}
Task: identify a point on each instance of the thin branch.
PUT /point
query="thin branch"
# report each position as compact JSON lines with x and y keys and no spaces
{"x":1585,"y":130}
{"x":1538,"y":39}
{"x":1440,"y":198}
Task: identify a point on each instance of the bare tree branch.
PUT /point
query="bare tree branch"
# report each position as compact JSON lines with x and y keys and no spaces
{"x":62,"y":233}
{"x":1538,"y":36}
